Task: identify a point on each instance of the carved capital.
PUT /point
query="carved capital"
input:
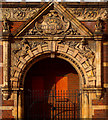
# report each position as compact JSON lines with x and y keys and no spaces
{"x":6,"y":28}
{"x":99,"y":27}
{"x":6,"y":93}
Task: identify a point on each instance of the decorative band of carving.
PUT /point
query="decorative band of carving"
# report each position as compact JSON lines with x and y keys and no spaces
{"x":22,"y":14}
{"x":18,"y":14}
{"x":89,"y":13}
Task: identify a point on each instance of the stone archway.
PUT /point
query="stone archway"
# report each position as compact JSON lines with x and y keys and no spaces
{"x":78,"y":55}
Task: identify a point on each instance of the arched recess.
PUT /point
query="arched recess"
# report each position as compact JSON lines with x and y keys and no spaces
{"x":43,"y":84}
{"x":79,"y":56}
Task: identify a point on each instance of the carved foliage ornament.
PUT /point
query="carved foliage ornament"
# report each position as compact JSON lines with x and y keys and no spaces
{"x":89,"y":13}
{"x":52,"y":24}
{"x":99,"y":25}
{"x":19,"y":14}
{"x":22,"y":14}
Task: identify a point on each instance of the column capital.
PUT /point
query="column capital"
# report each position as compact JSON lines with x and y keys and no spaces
{"x":6,"y":30}
{"x":99,"y":27}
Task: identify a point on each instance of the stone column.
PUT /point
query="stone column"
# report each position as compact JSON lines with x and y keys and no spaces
{"x":6,"y":59}
{"x":98,"y":60}
{"x":98,"y":36}
{"x":85,"y":105}
{"x":21,"y":105}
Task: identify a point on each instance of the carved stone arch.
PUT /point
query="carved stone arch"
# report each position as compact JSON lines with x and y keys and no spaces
{"x":80,"y":61}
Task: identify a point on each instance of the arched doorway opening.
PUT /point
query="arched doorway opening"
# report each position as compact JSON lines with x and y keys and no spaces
{"x":51,"y":90}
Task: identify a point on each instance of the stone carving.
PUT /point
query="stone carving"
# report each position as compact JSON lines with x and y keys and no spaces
{"x":5,"y":13}
{"x":19,"y":14}
{"x":83,"y":49}
{"x":52,"y":24}
{"x":6,"y":27}
{"x":23,"y":46}
{"x":33,"y":44}
{"x":99,"y":26}
{"x":22,"y":14}
{"x":89,"y":13}
{"x":82,"y":54}
{"x":6,"y":94}
{"x":20,"y":48}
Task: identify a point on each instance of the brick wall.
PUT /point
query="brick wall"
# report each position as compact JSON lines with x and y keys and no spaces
{"x":105,"y":62}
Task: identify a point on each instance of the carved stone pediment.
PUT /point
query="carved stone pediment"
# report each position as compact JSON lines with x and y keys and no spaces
{"x":53,"y":19}
{"x":53,"y":24}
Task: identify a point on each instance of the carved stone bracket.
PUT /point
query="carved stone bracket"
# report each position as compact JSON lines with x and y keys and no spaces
{"x":99,"y":27}
{"x":6,"y":27}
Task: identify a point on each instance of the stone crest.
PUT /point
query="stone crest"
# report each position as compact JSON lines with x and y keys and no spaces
{"x":53,"y":24}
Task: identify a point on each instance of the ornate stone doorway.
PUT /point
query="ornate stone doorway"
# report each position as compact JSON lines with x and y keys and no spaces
{"x":51,"y":90}
{"x":52,"y":33}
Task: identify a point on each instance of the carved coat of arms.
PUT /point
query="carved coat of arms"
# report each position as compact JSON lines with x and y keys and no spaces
{"x":52,"y":23}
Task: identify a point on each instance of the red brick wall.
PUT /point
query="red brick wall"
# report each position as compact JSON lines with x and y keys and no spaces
{"x":105,"y":60}
{"x":8,"y":103}
{"x":101,"y":114}
{"x":7,"y":115}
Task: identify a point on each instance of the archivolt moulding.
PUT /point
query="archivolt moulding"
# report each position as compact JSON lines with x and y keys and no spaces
{"x":80,"y":56}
